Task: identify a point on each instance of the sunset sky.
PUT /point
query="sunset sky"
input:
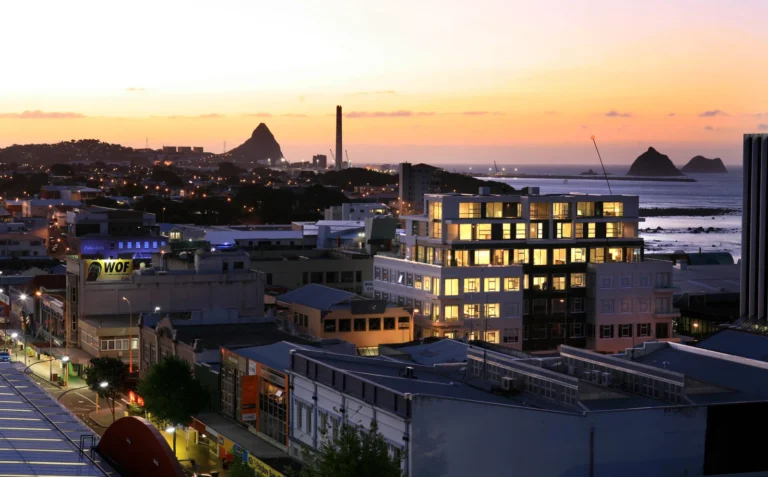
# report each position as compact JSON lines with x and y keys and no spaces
{"x":430,"y":81}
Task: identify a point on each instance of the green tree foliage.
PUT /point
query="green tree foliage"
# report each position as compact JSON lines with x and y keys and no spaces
{"x":356,"y":452}
{"x":61,"y":170}
{"x":107,"y":370}
{"x":171,"y":393}
{"x":227,"y":169}
{"x":166,"y":175}
{"x":348,"y":178}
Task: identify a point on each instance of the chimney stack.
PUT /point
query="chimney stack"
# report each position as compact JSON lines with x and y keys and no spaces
{"x":339,"y":148}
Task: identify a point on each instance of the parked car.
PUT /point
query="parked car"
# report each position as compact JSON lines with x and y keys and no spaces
{"x":5,"y":356}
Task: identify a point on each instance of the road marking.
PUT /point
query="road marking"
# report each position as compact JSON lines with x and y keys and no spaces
{"x":94,"y":403}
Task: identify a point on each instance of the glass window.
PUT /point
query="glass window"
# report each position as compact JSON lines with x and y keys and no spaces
{"x":615,"y":254}
{"x":389,"y":323}
{"x":482,"y":257}
{"x":494,"y":210}
{"x":501,"y":257}
{"x":591,"y":230}
{"x":613,"y":230}
{"x":329,"y":326}
{"x":539,"y":307}
{"x":606,"y":306}
{"x":512,"y":284}
{"x":643,"y":329}
{"x":471,"y":310}
{"x":558,"y":306}
{"x":539,"y":210}
{"x":417,"y":282}
{"x":451,"y":312}
{"x":540,"y":256}
{"x":579,"y":231}
{"x":536,"y":230}
{"x":577,"y":305}
{"x":613,"y":209}
{"x":437,"y":230}
{"x":540,"y":283}
{"x":564,"y":230}
{"x":506,"y":231}
{"x":606,"y":331}
{"x":471,"y":285}
{"x":559,"y":256}
{"x":345,"y":325}
{"x":585,"y":209}
{"x":625,"y":331}
{"x":558,"y":282}
{"x":526,"y":281}
{"x":633,"y":254}
{"x":465,"y":231}
{"x":130,"y":244}
{"x":469,"y":210}
{"x":359,"y":324}
{"x":597,"y":255}
{"x":561,"y":210}
{"x":436,"y":286}
{"x":492,"y":284}
{"x":520,"y":231}
{"x":626,"y":305}
{"x":435,"y":210}
{"x":451,"y":286}
{"x":520,"y":256}
{"x":491,"y":310}
{"x":578,"y":280}
{"x":483,"y":231}
{"x":578,"y":255}
{"x":427,"y":283}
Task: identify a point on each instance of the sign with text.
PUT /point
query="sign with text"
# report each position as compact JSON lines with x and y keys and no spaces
{"x":108,"y":270}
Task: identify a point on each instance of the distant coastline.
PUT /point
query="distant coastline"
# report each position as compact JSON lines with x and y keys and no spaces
{"x":687,"y":211}
{"x":599,"y":177}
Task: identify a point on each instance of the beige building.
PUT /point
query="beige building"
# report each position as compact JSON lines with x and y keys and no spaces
{"x":325,"y":313}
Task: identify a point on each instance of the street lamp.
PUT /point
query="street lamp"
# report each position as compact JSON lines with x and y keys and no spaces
{"x":65,"y":364}
{"x":16,"y":335}
{"x":102,"y":385}
{"x":172,"y":430}
{"x":130,"y":336}
{"x":157,"y":309}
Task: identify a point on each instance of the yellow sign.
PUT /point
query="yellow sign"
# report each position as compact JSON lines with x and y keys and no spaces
{"x":262,"y":469}
{"x":107,"y":270}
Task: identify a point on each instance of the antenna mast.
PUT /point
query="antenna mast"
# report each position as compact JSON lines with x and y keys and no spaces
{"x":602,"y":165}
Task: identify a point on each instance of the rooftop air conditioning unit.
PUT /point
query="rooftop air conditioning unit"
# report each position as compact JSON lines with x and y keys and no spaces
{"x":586,"y":376}
{"x":607,"y":379}
{"x":507,"y":383}
{"x":596,"y":376}
{"x":571,"y":370}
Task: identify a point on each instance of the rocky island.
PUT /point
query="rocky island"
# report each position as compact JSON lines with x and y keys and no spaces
{"x":701,"y":164}
{"x":652,"y":163}
{"x":261,"y":147}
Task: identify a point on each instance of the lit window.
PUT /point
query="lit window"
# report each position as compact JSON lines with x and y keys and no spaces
{"x":585,"y":209}
{"x":469,"y":210}
{"x":451,"y":312}
{"x":578,"y":280}
{"x":520,"y":231}
{"x":492,"y":310}
{"x":483,"y":231}
{"x":559,"y":256}
{"x":597,"y":255}
{"x":471,"y":311}
{"x":427,"y":283}
{"x":521,"y":255}
{"x":154,"y":245}
{"x":492,"y":284}
{"x":613,"y":209}
{"x":512,"y":284}
{"x":482,"y":257}
{"x":465,"y":231}
{"x":435,"y":211}
{"x":578,"y":255}
{"x":536,"y":230}
{"x":579,"y":231}
{"x":130,"y":244}
{"x":451,"y":286}
{"x":501,"y":257}
{"x":494,"y":210}
{"x":613,"y":230}
{"x":591,"y":230}
{"x":540,"y":283}
{"x":561,"y":210}
{"x":615,"y":254}
{"x":120,"y":245}
{"x":437,"y":230}
{"x":435,"y":286}
{"x":564,"y":230}
{"x":506,"y":231}
{"x":471,"y":285}
{"x":539,"y":210}
{"x":540,"y":256}
{"x":558,"y":282}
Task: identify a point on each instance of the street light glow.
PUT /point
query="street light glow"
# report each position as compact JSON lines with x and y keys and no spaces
{"x":14,"y":335}
{"x":157,"y":309}
{"x":65,"y":359}
{"x":23,"y":296}
{"x":170,"y":429}
{"x":103,"y":384}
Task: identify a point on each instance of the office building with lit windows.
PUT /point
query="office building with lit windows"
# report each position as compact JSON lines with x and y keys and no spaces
{"x":522,"y":258}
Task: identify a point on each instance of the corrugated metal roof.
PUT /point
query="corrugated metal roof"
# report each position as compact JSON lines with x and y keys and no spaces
{"x":738,"y":343}
{"x":316,"y":296}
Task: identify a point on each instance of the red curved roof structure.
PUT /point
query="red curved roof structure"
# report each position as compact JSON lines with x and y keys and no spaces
{"x":136,"y":448}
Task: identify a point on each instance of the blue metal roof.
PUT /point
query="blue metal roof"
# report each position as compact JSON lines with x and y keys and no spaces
{"x":442,"y":351}
{"x":738,"y":343}
{"x":276,"y":356}
{"x":316,"y":296}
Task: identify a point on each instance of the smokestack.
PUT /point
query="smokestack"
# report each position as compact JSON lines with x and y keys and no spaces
{"x":339,"y":151}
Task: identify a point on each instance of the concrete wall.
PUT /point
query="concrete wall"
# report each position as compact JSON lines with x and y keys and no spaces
{"x":452,"y":438}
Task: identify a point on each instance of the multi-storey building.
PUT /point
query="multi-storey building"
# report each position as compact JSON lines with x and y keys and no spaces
{"x":415,"y":181}
{"x":754,"y":250}
{"x":526,"y":254}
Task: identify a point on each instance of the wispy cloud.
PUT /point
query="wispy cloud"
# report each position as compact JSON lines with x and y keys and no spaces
{"x":762,"y":127}
{"x":210,"y":116}
{"x":709,"y":128}
{"x":37,"y":114}
{"x":136,"y":90}
{"x":584,"y":126}
{"x":387,"y":114}
{"x":385,"y":92}
{"x":482,"y":113}
{"x":671,"y":115}
{"x":758,"y":115}
{"x":200,"y":116}
{"x":550,"y":112}
{"x":712,"y":113}
{"x":259,"y":115}
{"x":294,"y":115}
{"x":615,"y":114}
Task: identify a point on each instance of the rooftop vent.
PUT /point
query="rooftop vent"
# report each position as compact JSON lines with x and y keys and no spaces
{"x":484,"y":191}
{"x":408,"y":373}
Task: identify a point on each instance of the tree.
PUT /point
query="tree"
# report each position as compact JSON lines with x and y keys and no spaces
{"x":62,"y":170}
{"x":111,"y":371}
{"x":357,"y":451}
{"x":240,"y":469}
{"x":171,"y":393}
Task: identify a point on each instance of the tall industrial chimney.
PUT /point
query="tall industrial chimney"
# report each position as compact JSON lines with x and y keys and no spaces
{"x":339,"y":148}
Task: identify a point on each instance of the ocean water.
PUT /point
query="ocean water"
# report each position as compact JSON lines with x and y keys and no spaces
{"x":709,"y":190}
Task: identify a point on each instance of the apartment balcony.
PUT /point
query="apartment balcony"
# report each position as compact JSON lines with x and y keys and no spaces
{"x":666,"y":289}
{"x":667,"y":314}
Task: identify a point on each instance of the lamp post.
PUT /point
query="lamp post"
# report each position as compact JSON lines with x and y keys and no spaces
{"x":413,"y":321}
{"x":102,"y":385}
{"x":130,"y":335}
{"x":65,"y":364}
{"x":24,"y":338}
{"x":63,"y":299}
{"x":696,"y":329}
